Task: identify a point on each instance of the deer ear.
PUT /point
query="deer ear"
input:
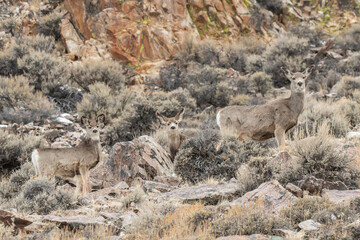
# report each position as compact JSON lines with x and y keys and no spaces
{"x":84,"y":120}
{"x":287,"y":72}
{"x":160,"y":117}
{"x":180,"y":115}
{"x":100,"y":119}
{"x":308,"y":71}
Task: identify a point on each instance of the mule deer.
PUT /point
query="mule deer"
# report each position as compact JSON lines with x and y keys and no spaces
{"x":264,"y":121}
{"x":175,"y":138}
{"x":71,"y":162}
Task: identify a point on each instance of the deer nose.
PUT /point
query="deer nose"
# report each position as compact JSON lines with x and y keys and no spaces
{"x":95,"y":131}
{"x":172,"y":127}
{"x":300,"y":84}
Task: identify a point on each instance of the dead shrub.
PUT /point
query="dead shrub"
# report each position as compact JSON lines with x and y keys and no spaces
{"x":41,"y":196}
{"x":350,"y":109}
{"x":6,"y":232}
{"x":8,"y":25}
{"x":166,"y":221}
{"x":135,"y":196}
{"x":15,"y":150}
{"x":348,"y":86}
{"x":19,"y":103}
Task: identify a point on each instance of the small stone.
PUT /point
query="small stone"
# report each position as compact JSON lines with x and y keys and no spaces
{"x":294,"y":190}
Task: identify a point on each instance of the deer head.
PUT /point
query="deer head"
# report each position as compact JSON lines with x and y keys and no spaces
{"x":93,"y":126}
{"x":172,"y":123}
{"x":298,"y":79}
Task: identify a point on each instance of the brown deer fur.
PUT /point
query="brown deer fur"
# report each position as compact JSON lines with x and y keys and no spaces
{"x":72,"y":162}
{"x":266,"y":121}
{"x":175,"y":138}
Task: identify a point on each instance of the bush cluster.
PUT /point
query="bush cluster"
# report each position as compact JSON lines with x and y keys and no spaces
{"x":19,"y":103}
{"x":49,"y":25}
{"x":15,"y":150}
{"x":200,"y":157}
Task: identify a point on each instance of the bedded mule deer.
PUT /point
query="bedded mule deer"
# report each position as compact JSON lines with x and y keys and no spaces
{"x":72,"y":162}
{"x":175,"y":138}
{"x":265,"y":121}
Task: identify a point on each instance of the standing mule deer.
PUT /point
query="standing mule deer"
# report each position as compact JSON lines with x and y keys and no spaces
{"x":175,"y":138}
{"x":71,"y":162}
{"x":264,"y":121}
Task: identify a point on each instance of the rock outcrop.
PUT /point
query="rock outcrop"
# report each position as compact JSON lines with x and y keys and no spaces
{"x":274,"y":196}
{"x":210,"y":194}
{"x":143,"y":157}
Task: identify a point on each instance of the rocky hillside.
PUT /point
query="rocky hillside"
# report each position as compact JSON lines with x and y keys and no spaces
{"x":128,"y":62}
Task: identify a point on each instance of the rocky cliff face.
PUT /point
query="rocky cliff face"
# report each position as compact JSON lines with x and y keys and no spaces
{"x":152,"y":30}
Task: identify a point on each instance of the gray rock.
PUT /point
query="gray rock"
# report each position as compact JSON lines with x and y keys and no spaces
{"x":64,"y":121}
{"x":309,"y":225}
{"x":294,"y":190}
{"x":339,"y":196}
{"x":210,"y":194}
{"x":274,"y":196}
{"x":75,"y":221}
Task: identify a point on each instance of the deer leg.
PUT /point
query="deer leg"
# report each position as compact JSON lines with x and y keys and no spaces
{"x":79,"y":184}
{"x":83,"y":174}
{"x":280,"y":138}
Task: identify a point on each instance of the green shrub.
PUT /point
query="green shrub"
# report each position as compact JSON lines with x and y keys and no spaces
{"x":304,"y":209}
{"x":6,"y":232}
{"x":8,"y":25}
{"x":274,"y":6}
{"x":348,"y":85}
{"x":351,"y":66}
{"x":199,"y":158}
{"x":44,"y":71}
{"x":15,"y":150}
{"x":101,"y":100}
{"x":287,"y":50}
{"x":135,"y":196}
{"x":261,"y":82}
{"x":206,"y":88}
{"x":313,"y":34}
{"x":170,"y":77}
{"x":246,"y":221}
{"x":107,"y":72}
{"x":317,"y":112}
{"x":254,"y":63}
{"x":350,"y":40}
{"x":39,"y":43}
{"x":11,"y":188}
{"x":350,"y":109}
{"x":19,"y":104}
{"x":321,"y":157}
{"x":137,"y":119}
{"x":41,"y":196}
{"x":49,"y":25}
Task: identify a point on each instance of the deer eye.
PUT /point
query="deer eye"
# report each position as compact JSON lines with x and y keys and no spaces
{"x":169,"y":124}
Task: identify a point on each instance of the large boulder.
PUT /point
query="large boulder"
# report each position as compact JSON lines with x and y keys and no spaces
{"x":343,"y":197}
{"x":143,"y":157}
{"x":274,"y":196}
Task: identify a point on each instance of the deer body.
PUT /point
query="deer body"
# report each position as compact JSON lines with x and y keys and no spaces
{"x":266,"y":121}
{"x":175,"y":138}
{"x":71,"y":162}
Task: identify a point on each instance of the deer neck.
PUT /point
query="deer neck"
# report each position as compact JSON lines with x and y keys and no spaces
{"x":174,"y":136}
{"x":296,"y":102}
{"x":92,"y":145}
